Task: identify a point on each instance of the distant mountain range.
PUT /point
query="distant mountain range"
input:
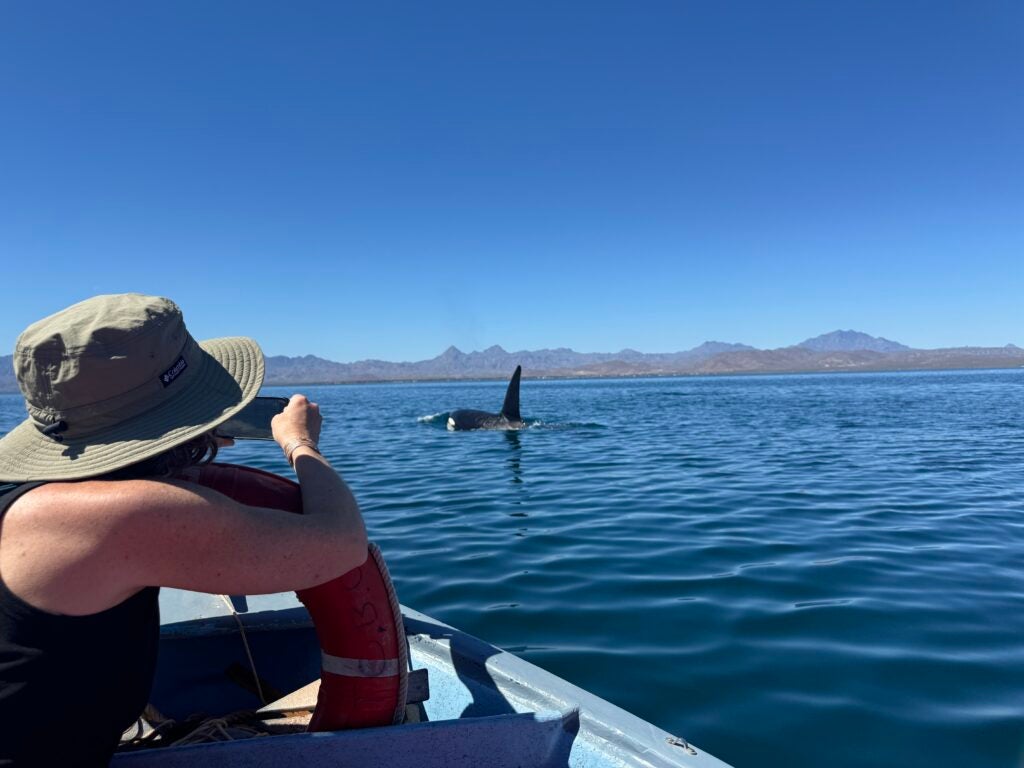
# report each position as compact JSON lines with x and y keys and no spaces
{"x":830,"y":352}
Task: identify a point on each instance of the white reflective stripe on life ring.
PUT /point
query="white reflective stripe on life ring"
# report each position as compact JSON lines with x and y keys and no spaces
{"x":338,"y":665}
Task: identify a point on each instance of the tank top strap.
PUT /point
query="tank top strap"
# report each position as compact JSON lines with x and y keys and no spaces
{"x":8,"y":495}
{"x":11,"y":492}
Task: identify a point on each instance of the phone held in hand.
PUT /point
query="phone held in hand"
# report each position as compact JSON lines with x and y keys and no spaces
{"x":253,"y":421}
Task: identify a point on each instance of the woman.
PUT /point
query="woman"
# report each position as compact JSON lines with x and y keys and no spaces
{"x":120,"y":398}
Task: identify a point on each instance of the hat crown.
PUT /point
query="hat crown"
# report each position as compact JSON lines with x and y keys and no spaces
{"x":98,"y":351}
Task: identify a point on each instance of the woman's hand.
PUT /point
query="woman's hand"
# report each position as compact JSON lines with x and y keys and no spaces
{"x":300,"y":419}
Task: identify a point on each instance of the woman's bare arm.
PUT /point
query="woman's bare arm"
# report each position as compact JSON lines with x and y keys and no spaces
{"x":78,"y":548}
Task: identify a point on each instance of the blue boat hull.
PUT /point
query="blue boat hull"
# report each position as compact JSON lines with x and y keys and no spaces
{"x":485,"y":706}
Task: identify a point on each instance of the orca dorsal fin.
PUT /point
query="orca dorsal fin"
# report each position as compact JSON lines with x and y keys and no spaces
{"x":510,"y":410}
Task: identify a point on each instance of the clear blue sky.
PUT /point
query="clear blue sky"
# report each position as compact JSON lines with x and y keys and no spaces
{"x":385,"y":179}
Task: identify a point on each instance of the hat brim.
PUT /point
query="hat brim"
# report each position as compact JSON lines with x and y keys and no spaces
{"x":230,"y":376}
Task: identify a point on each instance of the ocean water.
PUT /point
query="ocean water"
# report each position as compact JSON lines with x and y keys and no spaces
{"x":786,"y":570}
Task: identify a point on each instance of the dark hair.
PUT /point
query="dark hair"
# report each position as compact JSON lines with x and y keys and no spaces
{"x":198,"y":450}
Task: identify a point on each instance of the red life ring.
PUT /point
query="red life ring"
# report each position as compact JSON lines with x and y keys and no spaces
{"x":364,"y":673}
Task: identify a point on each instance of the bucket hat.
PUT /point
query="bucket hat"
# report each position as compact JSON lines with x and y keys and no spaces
{"x":116,"y":379}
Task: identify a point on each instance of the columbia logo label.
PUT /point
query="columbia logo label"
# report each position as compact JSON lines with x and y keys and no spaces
{"x":173,"y":372}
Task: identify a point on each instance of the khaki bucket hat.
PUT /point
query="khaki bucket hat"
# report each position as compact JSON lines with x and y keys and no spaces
{"x":117,"y":379}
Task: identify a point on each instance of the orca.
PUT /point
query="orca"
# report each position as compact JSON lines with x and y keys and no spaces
{"x":509,"y":417}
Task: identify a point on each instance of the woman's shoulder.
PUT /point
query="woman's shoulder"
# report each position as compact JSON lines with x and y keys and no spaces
{"x":57,"y":543}
{"x":58,"y":540}
{"x":88,"y":491}
{"x":99,"y":503}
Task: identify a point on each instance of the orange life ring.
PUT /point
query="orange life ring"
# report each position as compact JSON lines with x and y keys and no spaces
{"x":364,"y":671}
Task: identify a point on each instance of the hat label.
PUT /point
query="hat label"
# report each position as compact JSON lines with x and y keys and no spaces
{"x":173,"y":372}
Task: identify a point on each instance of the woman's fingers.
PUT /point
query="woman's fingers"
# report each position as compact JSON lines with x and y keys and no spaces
{"x":299,"y":419}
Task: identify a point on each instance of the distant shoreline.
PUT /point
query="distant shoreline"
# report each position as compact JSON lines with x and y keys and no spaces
{"x":836,"y":352}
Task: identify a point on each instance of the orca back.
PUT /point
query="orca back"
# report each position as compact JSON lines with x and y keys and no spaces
{"x":510,"y":409}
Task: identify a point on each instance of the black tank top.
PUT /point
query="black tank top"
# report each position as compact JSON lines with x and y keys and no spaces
{"x":70,"y":685}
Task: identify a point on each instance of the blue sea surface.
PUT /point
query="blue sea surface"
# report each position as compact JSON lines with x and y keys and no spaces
{"x":786,"y":570}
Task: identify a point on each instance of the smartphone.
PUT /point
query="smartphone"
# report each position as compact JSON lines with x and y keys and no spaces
{"x":253,"y":421}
